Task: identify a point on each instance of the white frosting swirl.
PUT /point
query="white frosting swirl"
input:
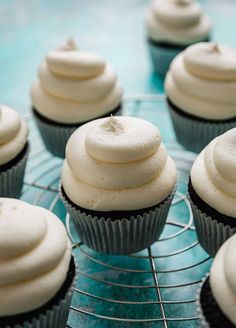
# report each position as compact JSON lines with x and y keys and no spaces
{"x":213,"y":174}
{"x":202,"y":81}
{"x":13,"y":134}
{"x":177,"y":21}
{"x":75,"y":86}
{"x":117,"y":164}
{"x":223,"y":279}
{"x":35,"y":255}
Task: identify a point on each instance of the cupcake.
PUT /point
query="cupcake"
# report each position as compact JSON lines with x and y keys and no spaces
{"x":72,"y":88}
{"x":217,"y":296}
{"x":212,"y":192}
{"x":37,"y":271}
{"x":14,"y":149}
{"x":172,"y":25}
{"x":201,"y":94}
{"x":118,"y":183}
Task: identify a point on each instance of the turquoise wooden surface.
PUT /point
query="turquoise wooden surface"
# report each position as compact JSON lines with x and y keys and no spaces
{"x":115,"y":29}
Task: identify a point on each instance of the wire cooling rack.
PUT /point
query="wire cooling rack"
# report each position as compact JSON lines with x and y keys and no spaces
{"x":154,"y":288}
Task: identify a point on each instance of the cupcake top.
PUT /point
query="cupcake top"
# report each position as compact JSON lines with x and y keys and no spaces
{"x":202,"y":81}
{"x":35,"y":254}
{"x":75,"y":86}
{"x":213,"y":174}
{"x":117,"y":163}
{"x":223,"y":279}
{"x":13,"y":134}
{"x":179,"y":22}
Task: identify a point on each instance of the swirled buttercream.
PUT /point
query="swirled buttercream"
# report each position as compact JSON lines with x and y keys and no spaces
{"x":75,"y":86}
{"x":13,"y":134}
{"x":35,"y":253}
{"x":117,"y":164}
{"x":223,"y":279}
{"x":202,"y":81}
{"x":177,"y":21}
{"x":213,"y":174}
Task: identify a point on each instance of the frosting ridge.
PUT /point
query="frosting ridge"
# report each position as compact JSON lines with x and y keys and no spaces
{"x":202,"y":81}
{"x":213,"y":174}
{"x":75,"y":79}
{"x":177,"y":21}
{"x":33,"y":265}
{"x":120,"y":163}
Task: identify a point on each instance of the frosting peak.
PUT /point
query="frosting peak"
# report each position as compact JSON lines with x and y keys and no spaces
{"x":113,"y":125}
{"x":69,"y":45}
{"x":123,"y":144}
{"x":223,"y":279}
{"x":75,"y":86}
{"x":35,"y":253}
{"x":177,"y":21}
{"x":213,"y":174}
{"x":214,"y":47}
{"x":202,"y":81}
{"x":117,"y":164}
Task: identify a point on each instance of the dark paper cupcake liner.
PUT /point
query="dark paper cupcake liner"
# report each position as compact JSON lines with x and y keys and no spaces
{"x":12,"y":177}
{"x":195,"y":134}
{"x":209,"y":313}
{"x":54,"y":317}
{"x":119,"y":236}
{"x":163,"y":53}
{"x":162,"y":56}
{"x":211,"y":233}
{"x":55,"y":135}
{"x":202,"y":320}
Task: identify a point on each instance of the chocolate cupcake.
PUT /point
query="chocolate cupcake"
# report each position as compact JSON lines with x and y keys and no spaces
{"x":118,"y":183}
{"x":212,"y":192}
{"x":73,"y":87}
{"x":173,"y":25}
{"x":14,"y":149}
{"x":37,"y":271}
{"x":201,"y":94}
{"x":217,"y":296}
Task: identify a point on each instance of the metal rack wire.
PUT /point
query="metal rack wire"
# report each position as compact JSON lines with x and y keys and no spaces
{"x":154,"y":288}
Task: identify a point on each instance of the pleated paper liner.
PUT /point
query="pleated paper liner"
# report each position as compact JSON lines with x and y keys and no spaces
{"x":162,"y":56}
{"x":12,"y":176}
{"x":119,"y":236}
{"x":162,"y":53}
{"x":51,"y":315}
{"x":209,"y":313}
{"x":195,"y":134}
{"x":55,"y":135}
{"x":210,"y":232}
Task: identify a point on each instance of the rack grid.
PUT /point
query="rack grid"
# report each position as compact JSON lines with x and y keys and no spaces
{"x":154,"y":288}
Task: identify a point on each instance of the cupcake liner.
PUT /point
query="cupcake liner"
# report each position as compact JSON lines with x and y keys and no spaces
{"x":202,"y":320}
{"x":209,"y":313}
{"x":12,"y":179}
{"x":57,"y":316}
{"x":119,"y":236}
{"x":56,"y":135}
{"x":210,"y":232}
{"x":162,"y":56}
{"x":195,"y":134}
